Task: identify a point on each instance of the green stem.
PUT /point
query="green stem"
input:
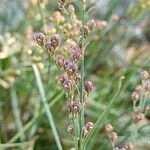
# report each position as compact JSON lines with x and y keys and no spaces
{"x":44,"y":101}
{"x":16,"y":113}
{"x":81,"y":121}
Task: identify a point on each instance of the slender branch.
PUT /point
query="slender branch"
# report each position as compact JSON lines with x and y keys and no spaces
{"x":44,"y":101}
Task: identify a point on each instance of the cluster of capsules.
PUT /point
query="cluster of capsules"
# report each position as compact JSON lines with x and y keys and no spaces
{"x":113,"y":136}
{"x":139,"y":96}
{"x":70,"y":77}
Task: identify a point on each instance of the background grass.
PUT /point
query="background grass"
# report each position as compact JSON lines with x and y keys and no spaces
{"x":119,"y":49}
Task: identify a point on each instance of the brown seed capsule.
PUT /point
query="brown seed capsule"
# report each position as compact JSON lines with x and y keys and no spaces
{"x":54,"y":41}
{"x":68,"y":85}
{"x":70,"y":129}
{"x":63,"y":78}
{"x":138,"y":117}
{"x":135,"y":96}
{"x":75,"y":107}
{"x":40,"y":37}
{"x":71,"y":68}
{"x":66,"y":62}
{"x":138,"y":88}
{"x":128,"y":147}
{"x":77,"y":77}
{"x":88,"y":86}
{"x":113,"y":137}
{"x":91,"y":24}
{"x":49,"y":49}
{"x":89,"y":126}
{"x":108,"y":128}
{"x":60,"y":60}
{"x":144,"y":75}
{"x":75,"y":53}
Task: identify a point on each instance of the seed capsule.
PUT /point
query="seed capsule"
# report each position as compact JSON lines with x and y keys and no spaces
{"x":144,"y":75}
{"x":138,"y":88}
{"x":49,"y":49}
{"x":75,"y":107}
{"x":40,"y":37}
{"x":71,"y":68}
{"x":113,"y":137}
{"x":91,"y":24}
{"x":63,"y":78}
{"x":54,"y":41}
{"x":86,"y":32}
{"x":60,"y":60}
{"x":89,"y":126}
{"x":135,"y":96}
{"x":68,"y":85}
{"x":77,"y":77}
{"x":88,"y":86}
{"x":75,"y":53}
{"x":108,"y":128}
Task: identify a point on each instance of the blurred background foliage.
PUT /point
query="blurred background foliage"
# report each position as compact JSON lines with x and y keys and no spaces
{"x":119,"y":46}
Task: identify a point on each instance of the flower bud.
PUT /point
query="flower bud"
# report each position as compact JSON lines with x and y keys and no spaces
{"x":75,"y":107}
{"x":54,"y":41}
{"x":113,"y":137}
{"x":75,"y":53}
{"x":144,"y":75}
{"x":88,"y":86}
{"x":70,"y":129}
{"x":49,"y":49}
{"x":40,"y":37}
{"x":108,"y":128}
{"x":91,"y":24}
{"x":60,"y":60}
{"x":135,"y":96}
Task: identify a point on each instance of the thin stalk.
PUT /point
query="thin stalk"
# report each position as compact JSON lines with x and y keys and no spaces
{"x":16,"y":113}
{"x":81,"y":121}
{"x":44,"y":101}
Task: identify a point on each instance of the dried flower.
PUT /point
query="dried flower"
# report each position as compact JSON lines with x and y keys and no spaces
{"x":91,"y":24}
{"x":40,"y":37}
{"x":108,"y":128}
{"x":135,"y":96}
{"x":144,"y":75}
{"x":63,"y":78}
{"x":88,"y":86}
{"x":137,"y":117}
